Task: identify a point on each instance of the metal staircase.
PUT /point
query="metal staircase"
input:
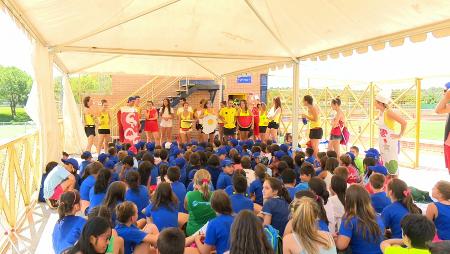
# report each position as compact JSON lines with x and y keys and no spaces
{"x":188,"y":87}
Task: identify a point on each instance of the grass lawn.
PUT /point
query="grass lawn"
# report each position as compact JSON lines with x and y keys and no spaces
{"x":432,"y":130}
{"x":5,"y":115}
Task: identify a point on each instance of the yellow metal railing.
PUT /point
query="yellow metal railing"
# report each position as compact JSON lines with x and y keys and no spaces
{"x":358,"y":104}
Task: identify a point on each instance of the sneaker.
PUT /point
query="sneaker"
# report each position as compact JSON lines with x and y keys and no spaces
{"x":53,"y":204}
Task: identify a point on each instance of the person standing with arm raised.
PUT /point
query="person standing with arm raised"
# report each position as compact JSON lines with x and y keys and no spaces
{"x":443,"y":107}
{"x":315,"y":125}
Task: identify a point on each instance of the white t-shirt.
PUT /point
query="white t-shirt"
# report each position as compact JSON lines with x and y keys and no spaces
{"x":250,"y":175}
{"x":335,"y":211}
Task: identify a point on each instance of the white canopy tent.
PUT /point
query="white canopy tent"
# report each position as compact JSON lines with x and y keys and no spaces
{"x":219,"y":37}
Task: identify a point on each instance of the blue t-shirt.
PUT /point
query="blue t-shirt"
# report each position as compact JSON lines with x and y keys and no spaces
{"x":139,"y":197}
{"x":155,"y":173}
{"x":41,"y":189}
{"x":229,"y":190}
{"x":323,"y":226}
{"x":191,"y":174}
{"x":240,"y":202}
{"x":301,"y":186}
{"x":218,"y":233}
{"x":95,"y":199}
{"x":114,"y":177}
{"x":86,"y":186}
{"x":380,"y":201}
{"x":279,"y":209}
{"x":214,"y":172}
{"x":292,"y":191}
{"x":310,"y":159}
{"x":255,"y":188}
{"x":392,"y":216}
{"x":442,"y":221}
{"x":183,"y":175}
{"x":180,"y":191}
{"x":224,"y":181}
{"x":83,"y":166}
{"x":131,"y":235}
{"x":358,"y":244}
{"x":163,"y":217}
{"x":67,"y":232}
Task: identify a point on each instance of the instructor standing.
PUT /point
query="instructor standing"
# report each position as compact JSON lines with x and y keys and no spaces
{"x":443,"y":107}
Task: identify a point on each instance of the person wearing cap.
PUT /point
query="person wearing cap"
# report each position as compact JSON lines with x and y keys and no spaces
{"x":89,"y":116}
{"x":224,"y":179}
{"x":151,"y":123}
{"x":315,"y":124}
{"x":388,"y":139}
{"x":60,"y":180}
{"x":129,"y":108}
{"x":443,"y":107}
{"x":87,"y":158}
{"x":104,"y":127}
{"x":228,"y":116}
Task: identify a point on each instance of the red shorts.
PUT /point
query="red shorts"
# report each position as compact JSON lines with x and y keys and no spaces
{"x":447,"y":157}
{"x":57,"y":192}
{"x":151,"y":126}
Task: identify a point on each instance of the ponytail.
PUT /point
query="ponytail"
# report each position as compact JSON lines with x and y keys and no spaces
{"x":278,"y":186}
{"x":339,"y":186}
{"x":202,"y":179}
{"x":402,"y":194}
{"x":66,"y":203}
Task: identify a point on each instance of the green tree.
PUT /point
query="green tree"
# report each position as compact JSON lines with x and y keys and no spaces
{"x":15,"y":85}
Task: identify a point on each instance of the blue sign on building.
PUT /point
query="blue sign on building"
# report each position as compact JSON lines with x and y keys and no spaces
{"x":244,"y":79}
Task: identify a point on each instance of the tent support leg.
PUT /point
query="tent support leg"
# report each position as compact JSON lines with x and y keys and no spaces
{"x":295,"y":102}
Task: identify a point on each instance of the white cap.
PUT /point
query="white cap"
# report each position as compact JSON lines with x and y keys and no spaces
{"x":383,"y":97}
{"x":167,"y":145}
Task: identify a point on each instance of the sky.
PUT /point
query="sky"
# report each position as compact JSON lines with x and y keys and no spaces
{"x":429,"y":60}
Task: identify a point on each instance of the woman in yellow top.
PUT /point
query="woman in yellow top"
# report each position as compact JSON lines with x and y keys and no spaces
{"x":104,"y":131}
{"x":263,"y":121}
{"x":274,"y":117}
{"x":207,"y":110}
{"x":388,"y":139}
{"x":89,"y":121}
{"x":186,"y":119}
{"x":315,"y":125}
{"x":244,"y":120}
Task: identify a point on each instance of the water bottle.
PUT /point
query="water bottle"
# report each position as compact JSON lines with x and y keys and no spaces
{"x":305,"y":121}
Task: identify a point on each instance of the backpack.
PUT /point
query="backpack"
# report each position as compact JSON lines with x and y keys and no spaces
{"x":274,"y":239}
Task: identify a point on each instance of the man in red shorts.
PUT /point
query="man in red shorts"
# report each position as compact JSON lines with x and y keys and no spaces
{"x":443,"y":107}
{"x":60,"y":180}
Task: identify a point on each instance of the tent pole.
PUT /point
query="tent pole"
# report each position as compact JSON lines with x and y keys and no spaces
{"x":221,"y":87}
{"x":295,"y":104}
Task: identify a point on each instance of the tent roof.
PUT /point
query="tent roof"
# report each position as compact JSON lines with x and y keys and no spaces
{"x":205,"y":37}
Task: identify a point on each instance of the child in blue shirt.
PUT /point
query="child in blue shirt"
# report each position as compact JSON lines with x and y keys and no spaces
{"x":155,"y":171}
{"x":306,"y":173}
{"x":173,"y":177}
{"x":225,"y":177}
{"x":417,"y":230}
{"x":239,"y":199}
{"x":402,"y":205}
{"x":218,"y":229}
{"x":288,"y":177}
{"x":98,"y":192}
{"x":361,"y":238}
{"x":214,"y":169}
{"x":163,"y":210}
{"x":114,"y":195}
{"x":379,"y":197}
{"x":193,"y":166}
{"x":439,"y":211}
{"x":255,"y":188}
{"x":134,"y":238}
{"x":136,"y":193}
{"x":275,"y":210}
{"x":310,"y":155}
{"x":90,"y":177}
{"x":87,"y":159}
{"x":68,"y":228}
{"x":127,"y":166}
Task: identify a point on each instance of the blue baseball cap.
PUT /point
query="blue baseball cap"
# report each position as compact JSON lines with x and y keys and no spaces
{"x":119,"y":147}
{"x":150,"y":146}
{"x":102,"y":157}
{"x":234,"y":142}
{"x":86,"y":155}
{"x":175,"y":151}
{"x":72,"y":162}
{"x":372,"y":153}
{"x":379,"y":169}
{"x":180,"y":162}
{"x":249,"y":143}
{"x":109,"y":164}
{"x":284,"y":148}
{"x":241,"y":142}
{"x":222,"y":151}
{"x":279,"y":154}
{"x":227,"y":163}
{"x":447,"y":86}
{"x":256,"y":155}
{"x":194,"y":142}
{"x":130,"y":153}
{"x":352,"y":156}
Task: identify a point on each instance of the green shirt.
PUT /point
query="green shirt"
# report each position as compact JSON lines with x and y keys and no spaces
{"x":401,"y":250}
{"x":359,"y":165}
{"x":200,"y":211}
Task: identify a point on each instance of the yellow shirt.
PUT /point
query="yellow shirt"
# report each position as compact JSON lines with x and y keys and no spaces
{"x":185,"y":124}
{"x":104,"y":120}
{"x":89,"y":119}
{"x":244,"y":113}
{"x":263,"y":120}
{"x":400,"y":250}
{"x":228,"y":115}
{"x":315,"y":124}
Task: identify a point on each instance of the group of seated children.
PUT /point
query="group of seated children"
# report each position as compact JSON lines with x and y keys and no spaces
{"x":238,"y":197}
